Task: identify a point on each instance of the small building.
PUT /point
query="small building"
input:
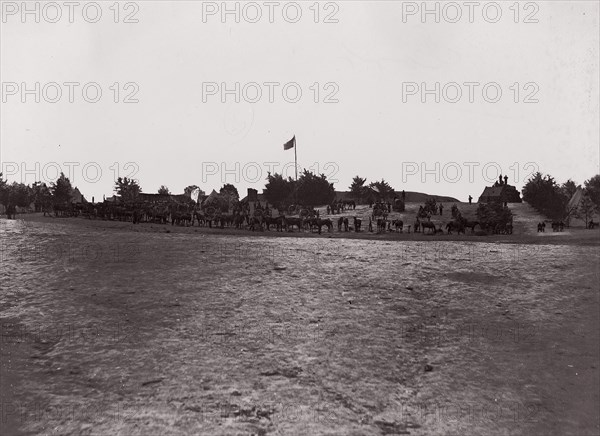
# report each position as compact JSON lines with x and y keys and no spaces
{"x":77,"y":197}
{"x":501,"y":194}
{"x":153,"y":198}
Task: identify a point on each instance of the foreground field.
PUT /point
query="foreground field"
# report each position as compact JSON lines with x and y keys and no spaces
{"x":109,"y":328}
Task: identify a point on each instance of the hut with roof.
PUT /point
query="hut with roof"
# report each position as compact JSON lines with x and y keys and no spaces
{"x":501,"y":192}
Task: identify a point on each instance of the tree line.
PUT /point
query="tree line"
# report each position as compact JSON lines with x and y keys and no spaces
{"x":550,"y":198}
{"x":38,"y":193}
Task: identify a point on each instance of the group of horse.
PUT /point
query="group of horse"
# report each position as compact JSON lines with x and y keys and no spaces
{"x":340,"y":206}
{"x":190,"y":215}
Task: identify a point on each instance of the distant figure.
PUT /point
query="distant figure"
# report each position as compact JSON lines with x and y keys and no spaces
{"x":441,"y":210}
{"x":328,"y":210}
{"x":500,"y":180}
{"x":470,"y":199}
{"x":11,"y":211}
{"x":506,"y":180}
{"x":403,"y":196}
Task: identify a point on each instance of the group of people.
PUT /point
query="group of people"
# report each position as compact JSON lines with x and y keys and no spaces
{"x":426,"y":213}
{"x":380,"y":205}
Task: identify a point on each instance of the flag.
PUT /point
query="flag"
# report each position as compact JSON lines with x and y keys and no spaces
{"x":290,"y":144}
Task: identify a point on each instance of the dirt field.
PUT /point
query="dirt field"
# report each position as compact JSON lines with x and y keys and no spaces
{"x":115,"y":329}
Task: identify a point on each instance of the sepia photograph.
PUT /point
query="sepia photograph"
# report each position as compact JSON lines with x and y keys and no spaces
{"x":354,"y":217}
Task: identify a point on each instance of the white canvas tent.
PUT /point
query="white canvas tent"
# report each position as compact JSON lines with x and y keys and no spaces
{"x":211,"y":199}
{"x":576,"y":198}
{"x":572,"y":206}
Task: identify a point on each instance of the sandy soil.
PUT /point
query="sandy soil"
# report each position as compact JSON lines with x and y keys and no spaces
{"x":110,"y":328}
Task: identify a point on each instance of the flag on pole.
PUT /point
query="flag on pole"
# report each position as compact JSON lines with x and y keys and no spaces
{"x":290,"y":144}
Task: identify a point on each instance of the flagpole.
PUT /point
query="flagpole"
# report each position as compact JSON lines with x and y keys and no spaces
{"x":295,"y":158}
{"x":296,"y":168}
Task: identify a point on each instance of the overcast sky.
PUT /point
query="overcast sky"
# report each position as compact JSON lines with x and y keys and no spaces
{"x":183,"y":131}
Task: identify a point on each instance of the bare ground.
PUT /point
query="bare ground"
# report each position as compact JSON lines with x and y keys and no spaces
{"x":109,"y":328}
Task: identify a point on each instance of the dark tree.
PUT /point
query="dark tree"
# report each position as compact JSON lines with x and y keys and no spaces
{"x":41,"y":195}
{"x":4,"y":191}
{"x":490,"y":214}
{"x":61,"y":190}
{"x":163,"y":190}
{"x":231,"y":191}
{"x":20,"y":194}
{"x":128,"y":189}
{"x":568,"y":188}
{"x":592,"y":189}
{"x":279,"y":191}
{"x":358,"y":189}
{"x":314,"y":190}
{"x":383,"y":190}
{"x":544,"y":194}
{"x":586,"y":209}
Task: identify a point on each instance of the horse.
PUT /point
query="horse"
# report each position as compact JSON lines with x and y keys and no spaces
{"x":381,"y":225}
{"x":340,"y":222}
{"x":319,"y":223}
{"x":458,"y":225}
{"x":470,"y":224}
{"x":278,"y":222}
{"x":429,"y":225}
{"x":291,"y":222}
{"x":357,"y":224}
{"x":238,"y":221}
{"x":255,"y":221}
{"x":398,"y":225}
{"x":199,"y":216}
